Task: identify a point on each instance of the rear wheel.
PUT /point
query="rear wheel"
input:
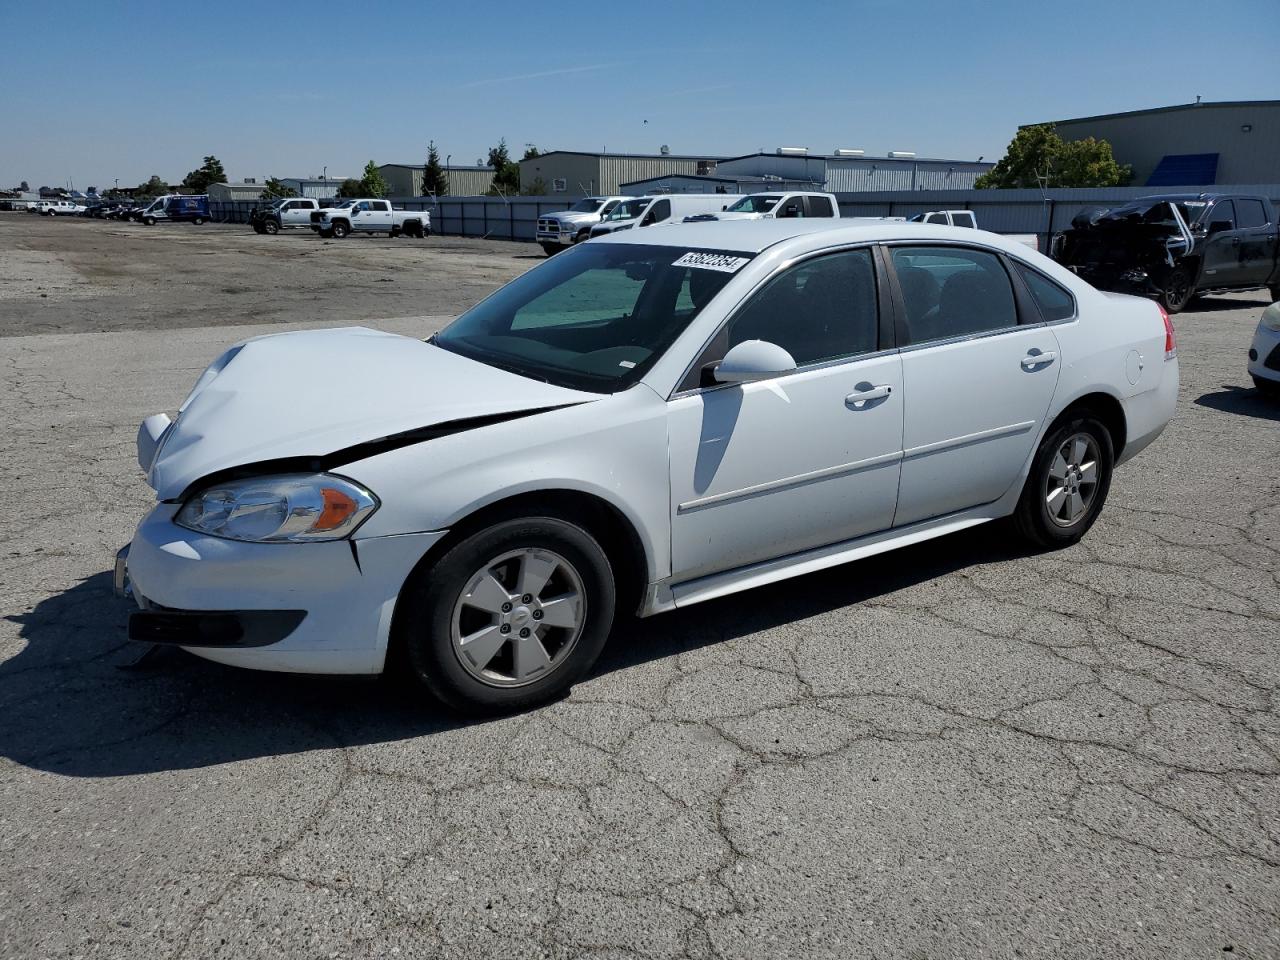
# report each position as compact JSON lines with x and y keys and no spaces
{"x":1068,"y":483}
{"x":1179,"y":287}
{"x":509,"y":618}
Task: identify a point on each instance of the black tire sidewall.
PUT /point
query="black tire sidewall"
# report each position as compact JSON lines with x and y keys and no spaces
{"x":424,"y":618}
{"x":1033,"y":513}
{"x":270,"y":227}
{"x":1173,"y":306}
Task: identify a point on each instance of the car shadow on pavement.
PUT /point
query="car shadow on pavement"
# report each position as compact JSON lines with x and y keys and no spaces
{"x":1245,"y":401}
{"x":71,"y":702}
{"x":1218,"y":304}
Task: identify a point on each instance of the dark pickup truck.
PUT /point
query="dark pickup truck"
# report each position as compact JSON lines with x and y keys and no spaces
{"x":1176,"y":246}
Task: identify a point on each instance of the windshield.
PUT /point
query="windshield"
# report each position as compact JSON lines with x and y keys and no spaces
{"x":759,"y":203}
{"x":595,"y":317}
{"x":1157,"y":211}
{"x":629,"y":209}
{"x":587,"y":205}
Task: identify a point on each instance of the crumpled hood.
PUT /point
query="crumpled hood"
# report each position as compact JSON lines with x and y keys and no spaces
{"x":565,"y":216}
{"x":311,"y":393}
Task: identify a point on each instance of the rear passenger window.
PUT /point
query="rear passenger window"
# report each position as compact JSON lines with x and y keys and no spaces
{"x":822,"y":309}
{"x":952,"y":292}
{"x":1054,"y":302}
{"x":819,"y":207}
{"x":1250,"y":213}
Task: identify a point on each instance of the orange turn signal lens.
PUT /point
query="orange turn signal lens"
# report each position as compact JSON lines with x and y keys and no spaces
{"x":338,"y":508}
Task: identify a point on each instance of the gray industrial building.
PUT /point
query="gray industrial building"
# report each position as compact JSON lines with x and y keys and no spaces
{"x":1234,"y":141}
{"x":405,"y":179}
{"x":683,"y":183}
{"x":575,"y":173}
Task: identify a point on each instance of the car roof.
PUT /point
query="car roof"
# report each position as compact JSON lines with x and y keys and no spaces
{"x":753,"y":236}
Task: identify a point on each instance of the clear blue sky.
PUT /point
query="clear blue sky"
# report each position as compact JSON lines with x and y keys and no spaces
{"x":131,"y":89}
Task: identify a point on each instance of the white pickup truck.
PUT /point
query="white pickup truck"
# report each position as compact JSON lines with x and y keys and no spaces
{"x":55,"y":208}
{"x":370,"y":216}
{"x":556,"y":231}
{"x":287,"y":213}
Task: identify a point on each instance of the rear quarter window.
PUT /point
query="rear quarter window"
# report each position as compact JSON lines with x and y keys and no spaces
{"x":1055,"y":302}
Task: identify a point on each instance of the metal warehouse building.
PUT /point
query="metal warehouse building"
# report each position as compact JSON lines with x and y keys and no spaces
{"x":576,"y":174}
{"x":1195,"y":143}
{"x":405,"y":179}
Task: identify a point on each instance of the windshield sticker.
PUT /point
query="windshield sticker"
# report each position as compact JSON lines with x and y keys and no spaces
{"x":713,"y":261}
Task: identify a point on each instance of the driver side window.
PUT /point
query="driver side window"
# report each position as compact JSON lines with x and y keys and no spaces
{"x":819,"y":310}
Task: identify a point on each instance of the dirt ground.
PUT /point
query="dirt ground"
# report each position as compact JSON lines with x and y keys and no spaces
{"x":71,"y":275}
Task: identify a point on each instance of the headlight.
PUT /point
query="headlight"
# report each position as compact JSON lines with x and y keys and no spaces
{"x":280,"y":509}
{"x":1271,"y":317}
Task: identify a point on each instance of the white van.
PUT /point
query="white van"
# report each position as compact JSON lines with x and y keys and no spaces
{"x":768,"y":206}
{"x":664,"y":208}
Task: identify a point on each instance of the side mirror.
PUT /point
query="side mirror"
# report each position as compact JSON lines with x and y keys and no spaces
{"x":725,"y":207}
{"x":1221,"y":226}
{"x":753,"y":360}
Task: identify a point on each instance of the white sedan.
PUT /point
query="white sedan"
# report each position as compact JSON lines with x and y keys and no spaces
{"x":641,"y":423}
{"x":1264,"y":353}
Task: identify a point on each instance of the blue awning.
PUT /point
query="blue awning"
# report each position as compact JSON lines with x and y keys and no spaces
{"x":1184,"y":170}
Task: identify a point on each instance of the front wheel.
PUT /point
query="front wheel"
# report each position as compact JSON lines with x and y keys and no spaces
{"x":1179,"y":288}
{"x":509,"y":618}
{"x":340,"y":230}
{"x":198,"y":220}
{"x":150,"y":221}
{"x":270,"y":227}
{"x":1068,"y":483}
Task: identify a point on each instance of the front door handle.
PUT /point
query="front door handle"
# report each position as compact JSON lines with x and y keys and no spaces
{"x":865,"y":393}
{"x":1037,"y":359}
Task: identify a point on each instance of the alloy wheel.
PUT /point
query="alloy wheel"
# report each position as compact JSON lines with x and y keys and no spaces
{"x":1072,"y":480}
{"x":519,"y":617}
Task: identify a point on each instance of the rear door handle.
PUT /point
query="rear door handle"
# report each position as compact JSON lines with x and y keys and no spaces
{"x":1038,"y":359}
{"x":859,"y":398}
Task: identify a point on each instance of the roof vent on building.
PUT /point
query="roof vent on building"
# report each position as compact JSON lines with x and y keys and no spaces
{"x":902,"y":154}
{"x":793,"y":151}
{"x":664,"y":150}
{"x":250,"y":180}
{"x":846,"y":152}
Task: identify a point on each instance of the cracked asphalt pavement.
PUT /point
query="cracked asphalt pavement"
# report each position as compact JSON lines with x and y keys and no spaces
{"x":960,"y":749}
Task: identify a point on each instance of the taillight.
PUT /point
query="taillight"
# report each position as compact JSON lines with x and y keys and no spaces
{"x":1170,"y":340}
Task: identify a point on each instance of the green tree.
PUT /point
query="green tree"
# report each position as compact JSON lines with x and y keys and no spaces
{"x":435,"y":179}
{"x":153,"y":187}
{"x":531,"y":153}
{"x":1038,"y":156}
{"x":273,"y":189}
{"x":506,"y":172}
{"x":210,"y":171}
{"x":372,"y":183}
{"x":538,"y":188}
{"x":351,"y":188}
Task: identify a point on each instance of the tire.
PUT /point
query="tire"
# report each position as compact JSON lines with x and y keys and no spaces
{"x":51,"y":213}
{"x":150,"y":221}
{"x":1179,"y":288}
{"x":550,"y":249}
{"x":259,"y":228}
{"x":1049,"y":521}
{"x":1268,"y":388}
{"x":198,"y":220}
{"x":340,"y":230}
{"x":270,"y":227}
{"x":446,"y":602}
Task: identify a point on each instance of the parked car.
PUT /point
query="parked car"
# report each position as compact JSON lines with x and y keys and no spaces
{"x":557,"y":231}
{"x":287,"y":213}
{"x":1177,"y":246}
{"x":370,"y":216}
{"x":1264,"y":353}
{"x":662,"y":208}
{"x":770,"y":206}
{"x":640,"y":423}
{"x":61,"y":208}
{"x":175,"y":209}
